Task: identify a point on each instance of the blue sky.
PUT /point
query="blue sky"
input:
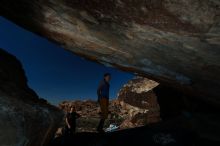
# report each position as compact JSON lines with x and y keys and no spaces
{"x":54,"y":73}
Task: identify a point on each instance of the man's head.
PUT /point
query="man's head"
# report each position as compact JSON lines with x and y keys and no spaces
{"x":107,"y":77}
{"x":72,"y":109}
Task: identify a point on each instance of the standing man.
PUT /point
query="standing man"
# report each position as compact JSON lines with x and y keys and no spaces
{"x":103,"y":100}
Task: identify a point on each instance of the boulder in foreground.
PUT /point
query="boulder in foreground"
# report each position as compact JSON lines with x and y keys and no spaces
{"x":26,"y":120}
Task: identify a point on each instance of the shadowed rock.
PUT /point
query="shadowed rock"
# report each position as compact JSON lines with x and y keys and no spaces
{"x":26,"y":120}
{"x":157,"y":135}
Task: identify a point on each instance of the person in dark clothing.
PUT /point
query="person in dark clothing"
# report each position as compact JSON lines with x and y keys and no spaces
{"x":70,"y":120}
{"x":103,"y":100}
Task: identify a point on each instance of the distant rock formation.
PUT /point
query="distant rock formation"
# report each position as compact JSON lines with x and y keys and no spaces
{"x":26,"y":120}
{"x":136,"y":104}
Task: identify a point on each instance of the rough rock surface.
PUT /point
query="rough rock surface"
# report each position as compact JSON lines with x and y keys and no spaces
{"x":141,"y":89}
{"x":26,"y":120}
{"x":138,"y":93}
{"x":176,"y":42}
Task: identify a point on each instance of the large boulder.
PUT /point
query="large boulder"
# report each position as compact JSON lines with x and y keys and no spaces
{"x":175,"y":42}
{"x":139,"y":100}
{"x":26,"y":120}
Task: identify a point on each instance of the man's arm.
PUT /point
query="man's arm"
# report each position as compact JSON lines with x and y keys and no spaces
{"x":99,"y":90}
{"x":67,"y":123}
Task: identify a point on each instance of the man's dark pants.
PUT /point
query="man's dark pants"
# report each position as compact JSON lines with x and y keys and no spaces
{"x":104,"y":103}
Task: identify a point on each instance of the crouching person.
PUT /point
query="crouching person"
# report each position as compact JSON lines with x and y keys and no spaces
{"x":70,"y":120}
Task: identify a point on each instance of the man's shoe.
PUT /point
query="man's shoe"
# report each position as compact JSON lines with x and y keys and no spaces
{"x":100,"y":131}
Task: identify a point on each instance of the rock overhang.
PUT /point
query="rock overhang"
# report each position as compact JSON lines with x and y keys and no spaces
{"x":175,"y":42}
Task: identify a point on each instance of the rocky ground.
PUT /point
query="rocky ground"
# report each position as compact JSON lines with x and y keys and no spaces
{"x":124,"y":110}
{"x":160,"y":134}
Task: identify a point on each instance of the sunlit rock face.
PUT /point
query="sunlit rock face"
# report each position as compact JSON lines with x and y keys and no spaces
{"x":141,"y":89}
{"x":176,"y":42}
{"x":138,"y":99}
{"x":26,"y":120}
